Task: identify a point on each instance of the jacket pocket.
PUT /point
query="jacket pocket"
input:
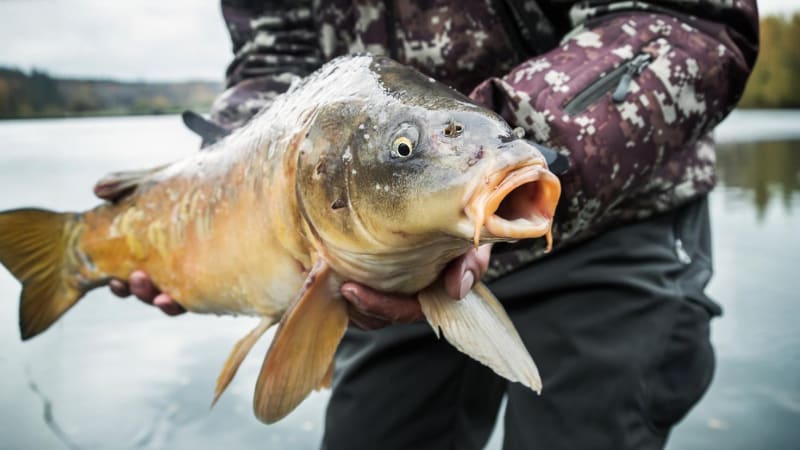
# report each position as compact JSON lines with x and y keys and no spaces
{"x":616,"y":82}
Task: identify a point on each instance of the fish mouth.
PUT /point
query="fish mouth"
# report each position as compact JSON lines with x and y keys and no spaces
{"x":516,"y":203}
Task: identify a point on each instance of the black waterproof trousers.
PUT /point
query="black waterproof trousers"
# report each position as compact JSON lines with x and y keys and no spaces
{"x":618,"y":326}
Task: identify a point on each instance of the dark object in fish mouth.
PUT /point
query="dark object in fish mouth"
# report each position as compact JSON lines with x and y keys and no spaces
{"x":556,"y":162}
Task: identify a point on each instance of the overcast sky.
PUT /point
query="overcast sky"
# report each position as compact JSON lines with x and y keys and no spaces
{"x":134,"y":39}
{"x":128,"y":39}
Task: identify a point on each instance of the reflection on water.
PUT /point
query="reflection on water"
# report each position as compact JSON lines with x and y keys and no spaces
{"x":764,"y":171}
{"x":116,"y":374}
{"x":754,"y":400}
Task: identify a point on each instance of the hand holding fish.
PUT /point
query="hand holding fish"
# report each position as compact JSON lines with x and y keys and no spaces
{"x":140,"y":285}
{"x":369,"y":309}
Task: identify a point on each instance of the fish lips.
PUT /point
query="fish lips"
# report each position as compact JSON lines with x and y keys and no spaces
{"x":516,"y":203}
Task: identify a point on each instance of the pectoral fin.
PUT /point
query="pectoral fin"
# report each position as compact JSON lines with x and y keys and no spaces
{"x":303,"y":349}
{"x":327,"y":380}
{"x":478,"y":326}
{"x":240,"y":350}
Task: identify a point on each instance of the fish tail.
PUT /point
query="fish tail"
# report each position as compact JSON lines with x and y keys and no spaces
{"x":39,"y":248}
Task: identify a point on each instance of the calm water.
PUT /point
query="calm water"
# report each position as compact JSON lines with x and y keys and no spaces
{"x":116,"y":374}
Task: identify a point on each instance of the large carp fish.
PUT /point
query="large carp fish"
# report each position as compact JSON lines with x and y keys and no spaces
{"x":366,"y":170}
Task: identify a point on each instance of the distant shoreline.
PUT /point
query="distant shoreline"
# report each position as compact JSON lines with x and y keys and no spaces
{"x":35,"y":94}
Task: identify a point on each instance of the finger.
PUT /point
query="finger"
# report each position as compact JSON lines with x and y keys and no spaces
{"x":458,"y":279}
{"x":390,"y":307}
{"x":483,"y":255}
{"x":169,"y":306}
{"x":463,"y":272}
{"x":119,"y":288}
{"x":142,"y":287}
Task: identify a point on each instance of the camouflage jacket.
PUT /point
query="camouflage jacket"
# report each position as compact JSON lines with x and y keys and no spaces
{"x":628,"y":90}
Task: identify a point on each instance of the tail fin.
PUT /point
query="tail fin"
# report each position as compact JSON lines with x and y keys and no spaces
{"x":36,"y":247}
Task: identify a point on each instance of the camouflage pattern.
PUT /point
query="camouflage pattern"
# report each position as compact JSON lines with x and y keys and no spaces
{"x":646,"y":152}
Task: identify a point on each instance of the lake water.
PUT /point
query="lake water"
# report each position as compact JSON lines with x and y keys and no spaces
{"x":116,"y":374}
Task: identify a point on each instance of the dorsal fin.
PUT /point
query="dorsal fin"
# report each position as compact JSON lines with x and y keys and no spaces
{"x":118,"y":185}
{"x":206,"y":129}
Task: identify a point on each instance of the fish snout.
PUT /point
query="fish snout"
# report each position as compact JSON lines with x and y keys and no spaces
{"x":522,"y":149}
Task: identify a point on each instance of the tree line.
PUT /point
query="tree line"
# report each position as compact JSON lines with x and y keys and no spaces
{"x":37,"y":94}
{"x":775,"y":78}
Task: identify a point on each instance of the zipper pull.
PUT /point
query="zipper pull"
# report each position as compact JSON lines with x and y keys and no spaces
{"x":633,"y":67}
{"x":683,"y":256}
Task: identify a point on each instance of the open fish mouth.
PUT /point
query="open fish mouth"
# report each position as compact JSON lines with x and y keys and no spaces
{"x":516,"y":203}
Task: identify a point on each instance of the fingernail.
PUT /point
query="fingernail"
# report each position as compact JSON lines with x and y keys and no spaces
{"x":162,"y":301}
{"x":467,"y":280}
{"x":351,"y":296}
{"x":118,"y":288}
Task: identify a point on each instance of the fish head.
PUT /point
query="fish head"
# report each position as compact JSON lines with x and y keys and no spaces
{"x":418,"y":162}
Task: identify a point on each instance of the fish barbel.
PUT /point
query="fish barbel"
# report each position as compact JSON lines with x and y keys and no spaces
{"x":365,"y":170}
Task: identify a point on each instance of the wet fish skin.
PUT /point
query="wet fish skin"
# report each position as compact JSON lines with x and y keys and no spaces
{"x":315,"y":190}
{"x":412,"y":203}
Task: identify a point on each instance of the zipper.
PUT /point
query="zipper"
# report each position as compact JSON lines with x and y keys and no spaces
{"x":681,"y":253}
{"x":618,"y":80}
{"x":677,"y":237}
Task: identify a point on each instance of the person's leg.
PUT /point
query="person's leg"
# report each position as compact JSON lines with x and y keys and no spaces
{"x":401,"y":388}
{"x":619,"y":329}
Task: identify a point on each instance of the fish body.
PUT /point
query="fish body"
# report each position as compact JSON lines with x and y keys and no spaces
{"x":366,"y":170}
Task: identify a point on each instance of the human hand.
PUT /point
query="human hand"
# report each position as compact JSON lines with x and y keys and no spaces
{"x":370,"y":309}
{"x":140,"y":285}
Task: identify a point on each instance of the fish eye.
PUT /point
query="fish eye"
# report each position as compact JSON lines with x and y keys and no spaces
{"x":405,"y":141}
{"x":403,"y":147}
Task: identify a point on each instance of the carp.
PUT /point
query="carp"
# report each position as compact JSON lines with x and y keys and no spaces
{"x":365,"y":170}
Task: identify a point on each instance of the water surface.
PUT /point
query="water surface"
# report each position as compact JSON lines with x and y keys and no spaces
{"x":115,"y":374}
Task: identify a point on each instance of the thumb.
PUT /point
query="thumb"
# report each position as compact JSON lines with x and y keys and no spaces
{"x":465,"y":271}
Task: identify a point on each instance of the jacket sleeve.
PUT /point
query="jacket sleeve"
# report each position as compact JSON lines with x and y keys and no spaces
{"x":629,"y":96}
{"x":274,"y":43}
